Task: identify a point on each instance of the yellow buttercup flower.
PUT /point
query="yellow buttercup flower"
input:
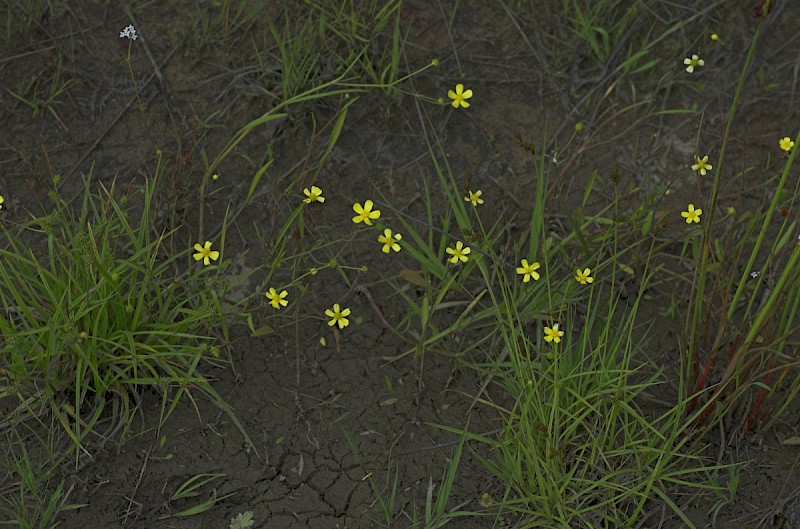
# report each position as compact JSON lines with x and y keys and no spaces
{"x":1,"y":201}
{"x":584,"y":277}
{"x":702,"y":165}
{"x":460,"y":96}
{"x":553,"y":334}
{"x":365,"y":214}
{"x":475,"y":197}
{"x":338,"y":316}
{"x":528,"y":271}
{"x":276,"y":299}
{"x":459,"y":253}
{"x":390,"y":240}
{"x":313,"y":195}
{"x":714,"y":36}
{"x":692,"y":215}
{"x":205,"y":253}
{"x":786,"y":143}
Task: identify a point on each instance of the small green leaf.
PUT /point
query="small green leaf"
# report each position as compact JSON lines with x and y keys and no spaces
{"x":413,"y":277}
{"x":262,"y":331}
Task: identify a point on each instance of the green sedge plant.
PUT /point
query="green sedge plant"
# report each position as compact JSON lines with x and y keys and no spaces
{"x":543,"y":325}
{"x":31,"y":502}
{"x":43,"y":94}
{"x":435,"y":513}
{"x":191,"y":489}
{"x":745,"y":297}
{"x":222,"y":23}
{"x":94,"y":311}
{"x":332,"y":38}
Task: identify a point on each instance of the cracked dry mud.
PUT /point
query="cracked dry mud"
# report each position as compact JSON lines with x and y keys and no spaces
{"x":301,"y":472}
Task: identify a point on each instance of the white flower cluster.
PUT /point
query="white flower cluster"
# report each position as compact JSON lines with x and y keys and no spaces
{"x":129,"y":32}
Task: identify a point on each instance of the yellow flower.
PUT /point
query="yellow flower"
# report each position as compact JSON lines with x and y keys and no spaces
{"x":459,"y":253}
{"x":693,"y":62}
{"x":313,"y":195}
{"x":714,"y":36}
{"x":390,"y":240}
{"x":1,"y":201}
{"x":528,"y":271}
{"x":702,"y":165}
{"x":215,"y":176}
{"x":366,"y":213}
{"x":338,"y":316}
{"x":460,"y":96}
{"x":693,"y":215}
{"x":584,"y":277}
{"x":786,"y":143}
{"x":553,"y":335}
{"x":731,"y":210}
{"x":277,"y":300}
{"x":475,"y":197}
{"x":205,"y":253}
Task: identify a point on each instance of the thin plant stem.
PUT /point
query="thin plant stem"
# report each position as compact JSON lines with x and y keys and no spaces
{"x":698,"y":294}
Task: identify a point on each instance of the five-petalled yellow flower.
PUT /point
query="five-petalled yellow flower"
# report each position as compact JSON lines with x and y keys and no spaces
{"x":338,"y":316}
{"x":584,"y":277}
{"x":365,"y":214}
{"x":693,"y":62}
{"x":277,"y":299}
{"x":460,"y":96}
{"x":390,"y":241}
{"x":313,"y":195}
{"x":205,"y":253}
{"x":701,"y":165}
{"x":528,"y":271}
{"x":459,"y":253}
{"x":786,"y":143}
{"x":692,"y":215}
{"x":553,"y":334}
{"x":475,"y":197}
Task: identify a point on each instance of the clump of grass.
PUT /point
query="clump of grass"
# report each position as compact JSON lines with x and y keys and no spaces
{"x":43,"y":94}
{"x":435,"y":512}
{"x":546,"y":330}
{"x":221,"y":24}
{"x":33,"y":504}
{"x":26,"y":21}
{"x":94,"y":312}
{"x":746,"y":315}
{"x":316,"y":42}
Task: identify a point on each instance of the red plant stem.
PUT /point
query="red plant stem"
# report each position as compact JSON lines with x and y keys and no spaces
{"x":757,"y":407}
{"x":701,"y":383}
{"x":734,"y":346}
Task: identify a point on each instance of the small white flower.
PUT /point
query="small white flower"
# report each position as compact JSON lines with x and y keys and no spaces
{"x":129,"y":32}
{"x":693,"y":62}
{"x":753,"y":275}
